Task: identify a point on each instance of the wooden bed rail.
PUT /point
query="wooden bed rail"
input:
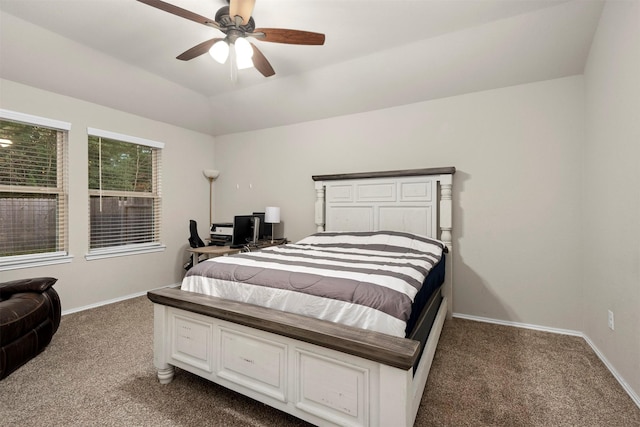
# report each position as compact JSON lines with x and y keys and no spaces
{"x":449,"y":170}
{"x":386,"y":349}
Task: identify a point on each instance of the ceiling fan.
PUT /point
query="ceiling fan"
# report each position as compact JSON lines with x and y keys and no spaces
{"x":236,"y":23}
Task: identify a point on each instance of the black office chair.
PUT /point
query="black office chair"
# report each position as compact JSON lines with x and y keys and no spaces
{"x":194,"y":241}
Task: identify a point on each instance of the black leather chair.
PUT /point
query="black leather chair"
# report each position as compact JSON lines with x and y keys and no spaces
{"x":29,"y":316}
{"x":195,"y":242}
{"x":194,"y":239}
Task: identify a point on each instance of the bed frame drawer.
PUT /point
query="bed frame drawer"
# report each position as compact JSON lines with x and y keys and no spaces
{"x":253,"y":362}
{"x":191,"y":341}
{"x":332,"y":389}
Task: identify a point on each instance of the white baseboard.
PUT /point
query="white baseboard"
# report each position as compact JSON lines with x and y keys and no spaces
{"x":111,"y":301}
{"x":632,"y":394}
{"x":520,"y":325}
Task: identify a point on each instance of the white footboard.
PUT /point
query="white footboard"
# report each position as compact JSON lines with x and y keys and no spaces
{"x":363,"y":380}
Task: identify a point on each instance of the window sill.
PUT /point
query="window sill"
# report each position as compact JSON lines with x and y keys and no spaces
{"x":123,"y":251}
{"x":28,"y":261}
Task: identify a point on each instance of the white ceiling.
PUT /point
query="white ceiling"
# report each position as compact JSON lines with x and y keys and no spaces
{"x":378,"y":54}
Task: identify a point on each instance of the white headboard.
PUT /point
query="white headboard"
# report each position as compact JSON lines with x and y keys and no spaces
{"x":414,"y":200}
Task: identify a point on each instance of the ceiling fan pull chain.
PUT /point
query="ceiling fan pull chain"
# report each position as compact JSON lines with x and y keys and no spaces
{"x":233,"y":64}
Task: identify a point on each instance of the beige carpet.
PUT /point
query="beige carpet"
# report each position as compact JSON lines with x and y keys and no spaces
{"x":98,"y":371}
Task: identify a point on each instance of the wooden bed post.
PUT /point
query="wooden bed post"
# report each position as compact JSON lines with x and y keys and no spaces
{"x":446,"y":225}
{"x":396,"y":401}
{"x":161,"y":343}
{"x":320,"y":194}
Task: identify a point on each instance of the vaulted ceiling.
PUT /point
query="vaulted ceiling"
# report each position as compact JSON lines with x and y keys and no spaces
{"x":377,"y":54}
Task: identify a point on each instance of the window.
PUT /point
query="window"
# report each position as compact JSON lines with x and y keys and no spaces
{"x":124,"y":194}
{"x":33,"y":191}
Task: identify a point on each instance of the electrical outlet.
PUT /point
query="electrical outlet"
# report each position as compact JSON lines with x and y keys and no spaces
{"x":611,"y":325}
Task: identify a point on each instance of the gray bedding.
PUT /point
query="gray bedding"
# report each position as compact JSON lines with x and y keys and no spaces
{"x":362,"y":279}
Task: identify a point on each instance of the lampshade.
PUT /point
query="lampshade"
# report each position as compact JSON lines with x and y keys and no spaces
{"x":243,"y":48}
{"x":244,"y":63}
{"x":244,"y":52}
{"x":211,"y":173}
{"x":220,"y":51}
{"x":272,"y":215}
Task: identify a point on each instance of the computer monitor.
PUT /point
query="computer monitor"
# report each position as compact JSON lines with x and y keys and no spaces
{"x":242,"y":230}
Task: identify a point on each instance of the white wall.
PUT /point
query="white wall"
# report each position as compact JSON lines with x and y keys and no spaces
{"x":517,"y":190}
{"x":611,"y":204}
{"x":185,"y":194}
{"x":541,"y":179}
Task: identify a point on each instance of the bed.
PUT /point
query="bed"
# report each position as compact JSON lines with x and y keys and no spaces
{"x":319,"y":370}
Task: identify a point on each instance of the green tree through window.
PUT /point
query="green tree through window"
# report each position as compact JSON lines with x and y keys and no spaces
{"x":32,"y":189}
{"x":124,"y":199}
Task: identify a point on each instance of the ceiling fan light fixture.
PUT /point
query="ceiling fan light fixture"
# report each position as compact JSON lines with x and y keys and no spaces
{"x":243,"y":48}
{"x":236,"y":22}
{"x":243,"y":62}
{"x":220,"y":51}
{"x":244,"y":52}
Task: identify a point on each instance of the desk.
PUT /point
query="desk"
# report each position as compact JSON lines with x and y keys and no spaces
{"x":261,"y":244}
{"x":210,"y":251}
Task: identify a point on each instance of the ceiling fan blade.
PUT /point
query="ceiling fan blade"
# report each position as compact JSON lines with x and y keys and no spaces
{"x":261,"y":63}
{"x":281,"y":35}
{"x":242,"y":8}
{"x":183,"y":13}
{"x":198,"y":50}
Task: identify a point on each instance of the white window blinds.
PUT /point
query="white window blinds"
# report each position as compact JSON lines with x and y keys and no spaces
{"x":33,"y":188}
{"x":124,"y":191}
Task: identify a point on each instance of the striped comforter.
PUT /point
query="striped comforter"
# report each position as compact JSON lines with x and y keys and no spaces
{"x":362,"y":279}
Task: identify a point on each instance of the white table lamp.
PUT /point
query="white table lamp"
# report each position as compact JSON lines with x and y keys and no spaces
{"x":272,"y":216}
